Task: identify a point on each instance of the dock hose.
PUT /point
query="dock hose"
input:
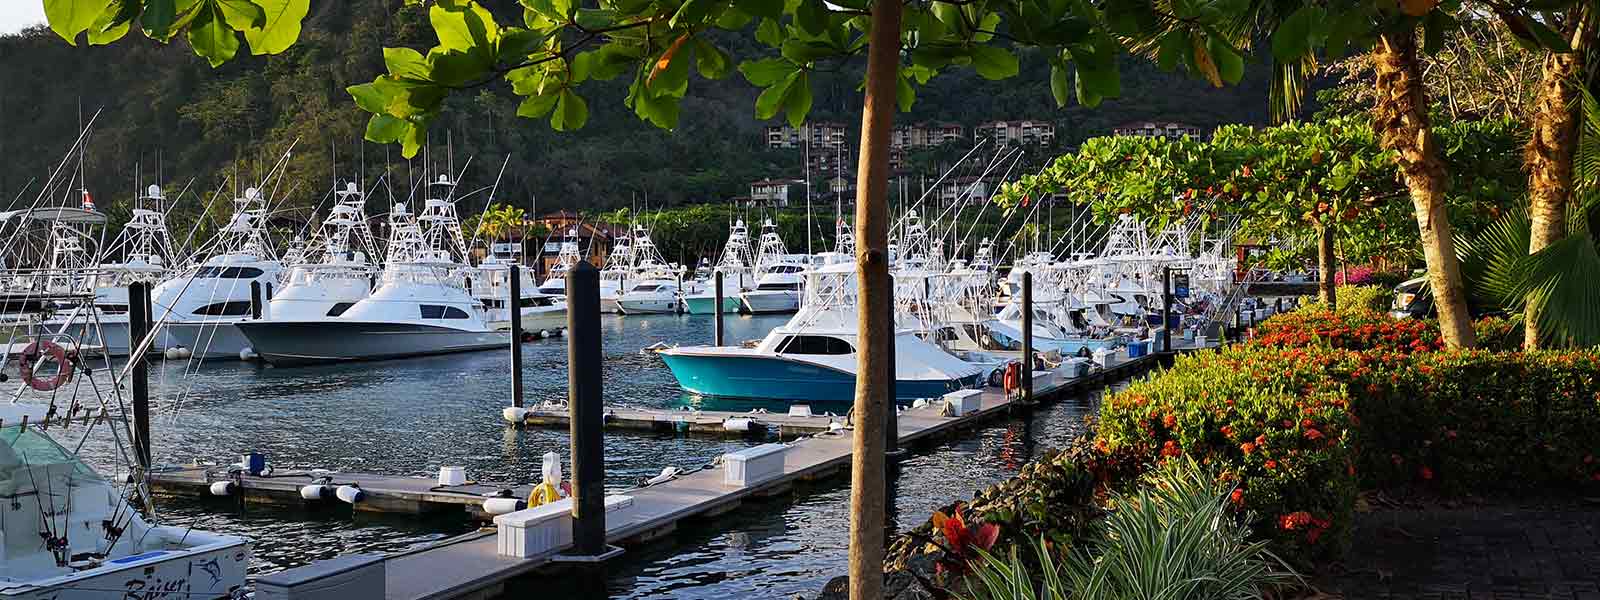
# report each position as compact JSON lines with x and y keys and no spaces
{"x":671,"y":473}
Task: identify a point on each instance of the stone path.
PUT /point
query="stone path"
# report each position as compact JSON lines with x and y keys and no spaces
{"x":1499,"y":551}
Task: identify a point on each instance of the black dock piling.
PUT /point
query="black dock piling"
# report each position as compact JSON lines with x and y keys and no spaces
{"x":717,"y":329}
{"x":138,"y":330}
{"x":1027,"y":336}
{"x":255,"y":300}
{"x":586,"y":411}
{"x":515,"y":305}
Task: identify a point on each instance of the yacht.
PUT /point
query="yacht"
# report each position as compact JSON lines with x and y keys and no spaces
{"x":655,"y":284}
{"x":812,"y":358}
{"x":491,"y":285}
{"x":780,"y":276}
{"x":567,"y":254}
{"x":325,"y":286}
{"x":734,"y":265}
{"x":422,"y":304}
{"x":200,"y":307}
{"x":617,"y":274}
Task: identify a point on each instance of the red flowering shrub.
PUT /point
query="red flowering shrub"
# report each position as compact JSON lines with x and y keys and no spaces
{"x":1498,"y":333}
{"x":1320,"y":404}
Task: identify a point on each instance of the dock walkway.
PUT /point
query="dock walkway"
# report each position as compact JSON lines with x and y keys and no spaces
{"x":470,"y":566}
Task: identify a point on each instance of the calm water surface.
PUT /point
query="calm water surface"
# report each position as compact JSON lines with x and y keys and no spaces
{"x":409,"y":417}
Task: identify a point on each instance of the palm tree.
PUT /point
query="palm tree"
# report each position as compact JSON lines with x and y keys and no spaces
{"x":1554,"y":286}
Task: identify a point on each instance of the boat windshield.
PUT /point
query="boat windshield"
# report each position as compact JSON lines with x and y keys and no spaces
{"x":646,"y":288}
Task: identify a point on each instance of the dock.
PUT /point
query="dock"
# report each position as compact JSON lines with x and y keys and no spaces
{"x":471,"y":566}
{"x":380,"y":493}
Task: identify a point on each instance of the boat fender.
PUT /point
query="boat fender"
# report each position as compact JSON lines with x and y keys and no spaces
{"x":178,"y":353}
{"x":500,"y":506}
{"x":514,"y":414}
{"x":557,"y":332}
{"x":223,"y":488}
{"x":835,"y":426}
{"x":544,"y":333}
{"x":248,"y":353}
{"x":667,"y":474}
{"x":316,"y":491}
{"x":350,"y":494}
{"x":919,"y":403}
{"x":737,"y":424}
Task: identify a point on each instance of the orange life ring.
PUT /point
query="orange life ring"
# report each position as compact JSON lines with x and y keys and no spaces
{"x":32,"y":352}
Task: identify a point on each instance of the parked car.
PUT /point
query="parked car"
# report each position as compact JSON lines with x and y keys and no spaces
{"x":1413,"y":299}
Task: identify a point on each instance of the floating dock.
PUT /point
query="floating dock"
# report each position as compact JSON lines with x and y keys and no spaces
{"x":380,"y":493}
{"x":471,"y":566}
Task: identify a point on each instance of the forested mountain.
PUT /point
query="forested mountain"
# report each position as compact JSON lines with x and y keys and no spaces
{"x":166,"y":103}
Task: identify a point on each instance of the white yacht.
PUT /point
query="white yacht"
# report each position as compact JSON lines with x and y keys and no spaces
{"x":567,"y":254}
{"x":422,"y":304}
{"x":336,"y":270}
{"x":780,"y":276}
{"x":199,"y":308}
{"x":734,"y":265}
{"x":491,"y":285}
{"x":616,"y":277}
{"x":656,"y":283}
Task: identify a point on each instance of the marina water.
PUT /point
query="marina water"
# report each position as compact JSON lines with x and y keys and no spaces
{"x":409,"y":417}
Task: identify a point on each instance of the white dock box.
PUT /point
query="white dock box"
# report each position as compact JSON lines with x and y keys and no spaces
{"x":751,"y":466}
{"x":1102,"y":357}
{"x":543,"y":529}
{"x":348,"y":576}
{"x":1043,"y":379}
{"x":963,"y":401}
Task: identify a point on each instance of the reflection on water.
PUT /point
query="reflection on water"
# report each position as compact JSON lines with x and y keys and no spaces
{"x":409,"y":417}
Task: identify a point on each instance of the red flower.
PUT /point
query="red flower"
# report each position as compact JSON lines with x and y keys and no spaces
{"x":1305,"y":422}
{"x":1247,"y":447}
{"x":1312,"y":434}
{"x":1426,"y":473}
{"x":1261,"y":440}
{"x":1237,"y":496}
{"x":1170,"y":449}
{"x":1271,"y":464}
{"x":1169,"y":421}
{"x":1227,"y":432}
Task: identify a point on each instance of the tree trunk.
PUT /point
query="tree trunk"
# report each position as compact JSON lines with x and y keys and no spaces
{"x":1548,"y":156}
{"x":1400,"y":117}
{"x":867,"y":490}
{"x":1326,"y":270}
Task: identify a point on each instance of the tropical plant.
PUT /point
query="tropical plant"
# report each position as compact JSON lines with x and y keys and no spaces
{"x":1553,"y":286}
{"x":1175,"y":536}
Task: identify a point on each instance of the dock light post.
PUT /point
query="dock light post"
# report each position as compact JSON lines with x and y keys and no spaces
{"x":515,"y":304}
{"x":586,"y":410}
{"x":717,"y":329}
{"x":1027,"y":336}
{"x":138,"y":330}
{"x":1168,"y":292}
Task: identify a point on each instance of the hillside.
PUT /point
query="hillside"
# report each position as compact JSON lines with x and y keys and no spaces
{"x":203,"y":124}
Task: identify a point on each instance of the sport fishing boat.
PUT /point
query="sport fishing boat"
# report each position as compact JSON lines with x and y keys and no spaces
{"x":70,"y":533}
{"x":780,"y":276}
{"x":813,"y":356}
{"x":199,"y":308}
{"x":491,"y":285}
{"x":422,"y":304}
{"x":336,"y":269}
{"x":657,"y":283}
{"x":567,"y":255}
{"x":734,"y":265}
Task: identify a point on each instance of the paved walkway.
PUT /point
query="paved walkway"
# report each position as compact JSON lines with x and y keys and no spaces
{"x":1498,"y":550}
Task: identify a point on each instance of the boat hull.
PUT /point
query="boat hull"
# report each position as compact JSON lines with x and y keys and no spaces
{"x":647,"y":306}
{"x":313,"y":342}
{"x":772,"y":377}
{"x":212,"y":570}
{"x":210,"y":340}
{"x":110,"y":337}
{"x":759,"y":302}
{"x":705,"y":305}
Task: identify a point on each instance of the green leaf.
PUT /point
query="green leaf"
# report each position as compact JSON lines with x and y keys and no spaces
{"x":733,"y":19}
{"x":767,"y":71}
{"x":385,"y":129}
{"x":711,"y":61}
{"x":517,"y":42}
{"x":904,"y":94}
{"x":1174,"y":49}
{"x":1347,"y":27}
{"x":241,"y":14}
{"x":405,"y":63}
{"x":770,"y":9}
{"x":994,"y":63}
{"x":769,"y":33}
{"x":535,"y":107}
{"x":580,"y":66}
{"x":467,"y":28}
{"x":771,"y":99}
{"x":691,"y":12}
{"x":212,"y":39}
{"x":797,"y":102}
{"x":593,"y":18}
{"x":1131,"y":17}
{"x":811,"y":17}
{"x":112,"y":24}
{"x":369,"y":97}
{"x":1229,"y":63}
{"x":1059,"y":87}
{"x":68,"y":18}
{"x":803,"y":52}
{"x":281,"y":27}
{"x":1087,"y":95}
{"x":1293,"y":39}
{"x":412,"y":139}
{"x":455,"y":67}
{"x":570,"y":113}
{"x":157,"y":19}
